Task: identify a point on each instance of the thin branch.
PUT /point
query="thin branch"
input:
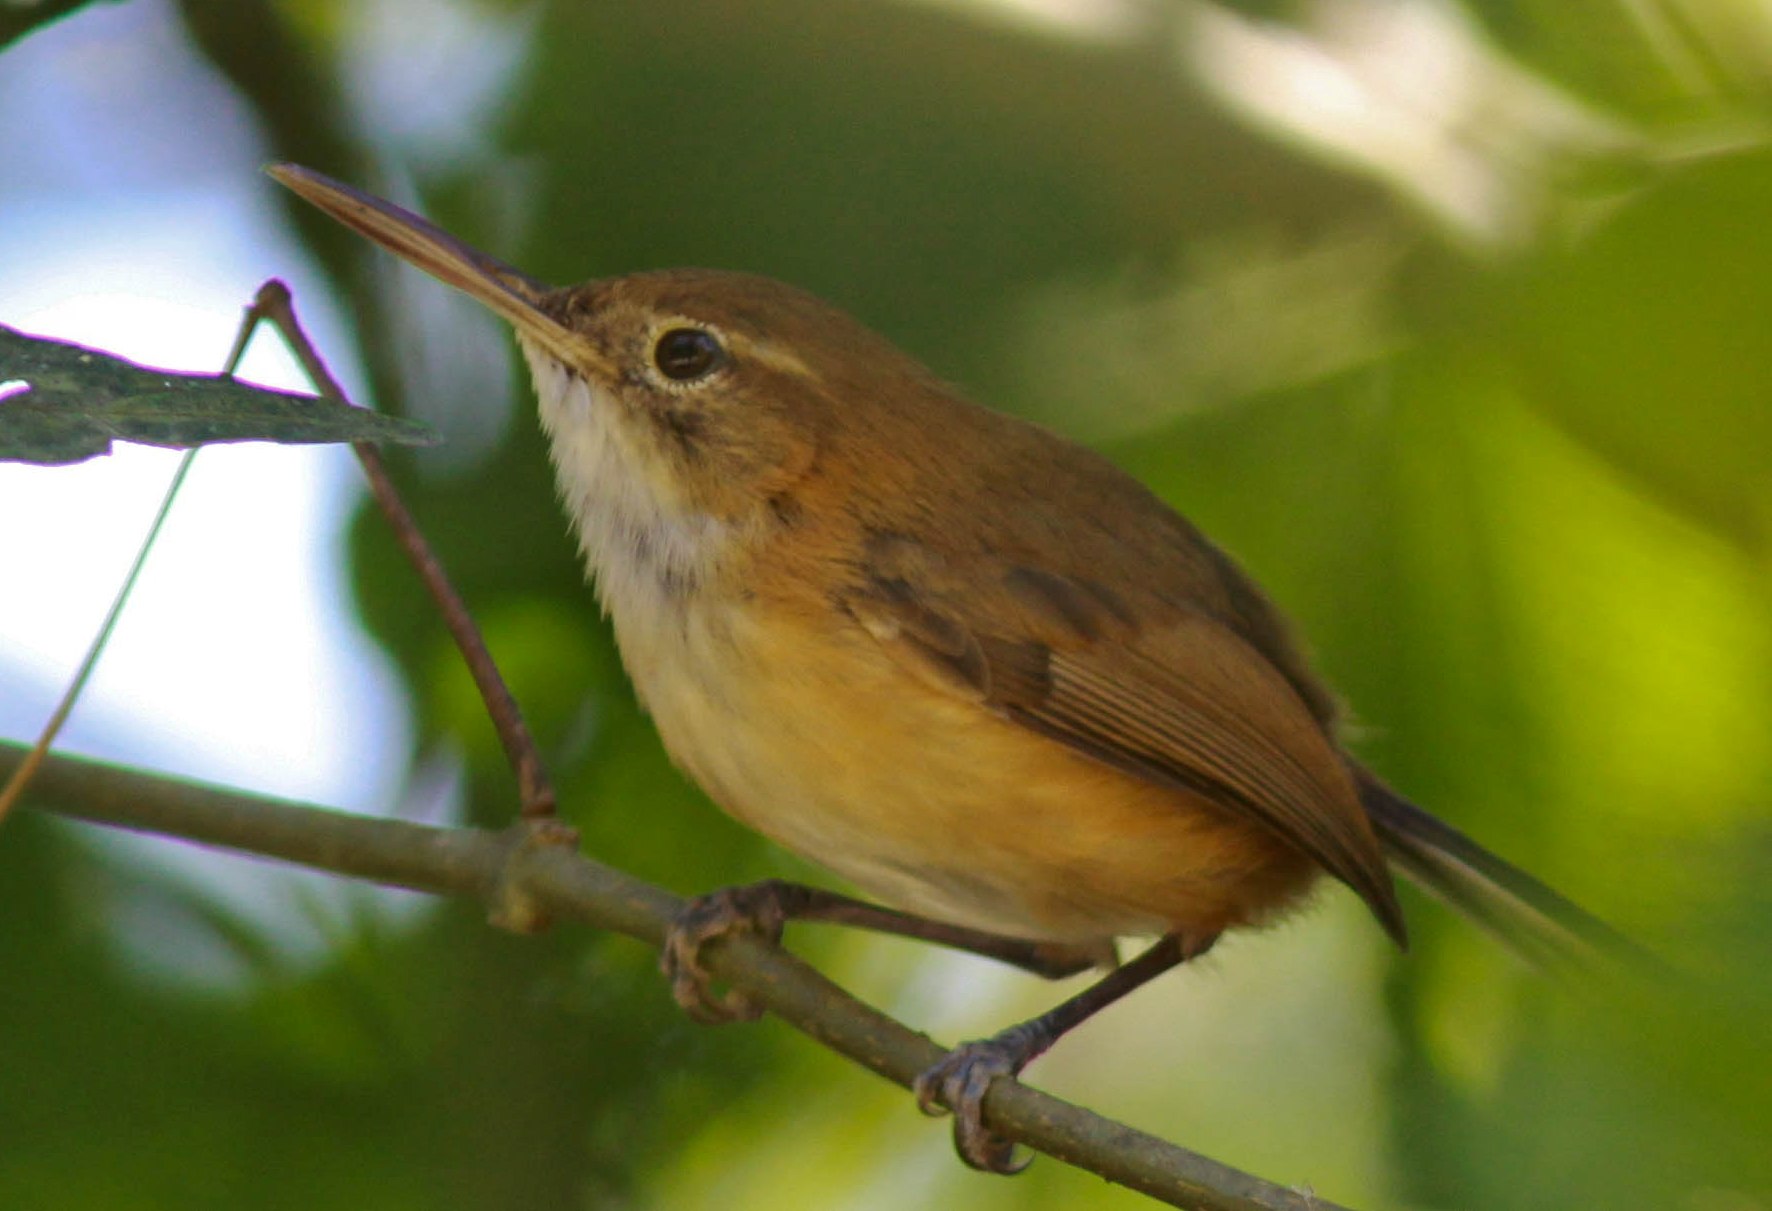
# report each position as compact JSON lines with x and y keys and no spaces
{"x":14,"y":787}
{"x":511,"y":868}
{"x":535,"y":793}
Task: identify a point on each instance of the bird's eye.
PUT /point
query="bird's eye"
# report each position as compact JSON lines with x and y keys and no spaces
{"x":686,"y":354}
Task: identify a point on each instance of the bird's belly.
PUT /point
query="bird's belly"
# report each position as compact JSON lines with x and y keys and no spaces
{"x":933,"y":804}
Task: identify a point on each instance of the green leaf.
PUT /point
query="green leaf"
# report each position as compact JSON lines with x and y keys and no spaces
{"x":77,"y":401}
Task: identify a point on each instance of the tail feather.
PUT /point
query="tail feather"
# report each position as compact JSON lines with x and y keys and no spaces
{"x":1528,"y":917}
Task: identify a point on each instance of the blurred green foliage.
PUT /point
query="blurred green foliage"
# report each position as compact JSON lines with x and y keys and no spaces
{"x":1503,"y":447}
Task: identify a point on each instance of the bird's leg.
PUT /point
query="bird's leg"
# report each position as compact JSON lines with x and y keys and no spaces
{"x":763,"y":908}
{"x":960,"y":1081}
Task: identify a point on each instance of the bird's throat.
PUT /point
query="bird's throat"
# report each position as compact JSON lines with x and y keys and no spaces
{"x":644,"y":545}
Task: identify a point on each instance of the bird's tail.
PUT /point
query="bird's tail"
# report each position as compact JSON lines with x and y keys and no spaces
{"x":1525,"y":915}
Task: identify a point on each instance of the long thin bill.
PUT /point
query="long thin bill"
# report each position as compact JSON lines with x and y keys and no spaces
{"x":507,"y":291}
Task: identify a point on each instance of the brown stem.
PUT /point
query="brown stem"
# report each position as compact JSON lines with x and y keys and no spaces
{"x":534,"y":790}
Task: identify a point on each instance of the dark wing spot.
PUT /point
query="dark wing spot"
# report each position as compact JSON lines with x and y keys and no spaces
{"x":1085,"y":609}
{"x":1111,"y":601}
{"x":1007,"y":673}
{"x":787,"y":510}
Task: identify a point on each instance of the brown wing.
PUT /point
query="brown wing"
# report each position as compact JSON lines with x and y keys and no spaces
{"x":1186,"y":703}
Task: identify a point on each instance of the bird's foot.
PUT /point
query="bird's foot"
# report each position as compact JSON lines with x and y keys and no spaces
{"x":756,"y":908}
{"x":959,"y":1083}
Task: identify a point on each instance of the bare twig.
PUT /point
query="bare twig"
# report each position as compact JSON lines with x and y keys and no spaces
{"x":496,"y":867}
{"x":535,"y":791}
{"x":15,"y":785}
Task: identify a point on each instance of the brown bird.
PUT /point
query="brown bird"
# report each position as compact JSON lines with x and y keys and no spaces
{"x":968,"y":665}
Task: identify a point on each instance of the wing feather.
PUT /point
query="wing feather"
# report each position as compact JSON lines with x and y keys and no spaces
{"x":1187,"y":703}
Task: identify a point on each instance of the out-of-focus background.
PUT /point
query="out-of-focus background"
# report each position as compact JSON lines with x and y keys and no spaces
{"x":1450,"y":319}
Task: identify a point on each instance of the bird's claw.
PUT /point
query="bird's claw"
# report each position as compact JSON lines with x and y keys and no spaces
{"x":958,"y":1082}
{"x":754,"y":909}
